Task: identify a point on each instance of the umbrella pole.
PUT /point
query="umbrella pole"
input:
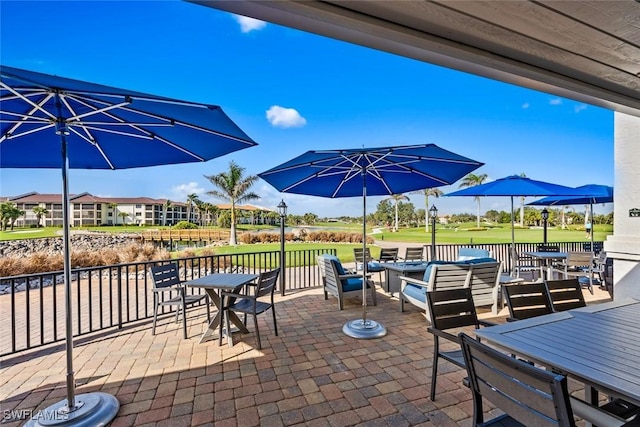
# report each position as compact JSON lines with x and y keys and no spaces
{"x":88,"y":409}
{"x":363,"y":328}
{"x":513,"y":241}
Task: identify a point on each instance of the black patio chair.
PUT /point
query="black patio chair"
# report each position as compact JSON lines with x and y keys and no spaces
{"x":252,"y":303}
{"x":166,"y":281}
{"x":450,"y":309}
{"x":565,"y":294}
{"x":527,"y":300}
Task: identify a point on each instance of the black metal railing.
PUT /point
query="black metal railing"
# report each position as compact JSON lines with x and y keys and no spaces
{"x":32,"y":313}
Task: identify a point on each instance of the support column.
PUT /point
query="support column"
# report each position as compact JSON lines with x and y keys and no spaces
{"x":624,"y":245}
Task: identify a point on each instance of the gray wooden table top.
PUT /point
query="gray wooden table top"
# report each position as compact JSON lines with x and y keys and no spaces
{"x":546,"y":255}
{"x":222,"y":280}
{"x":598,"y":345}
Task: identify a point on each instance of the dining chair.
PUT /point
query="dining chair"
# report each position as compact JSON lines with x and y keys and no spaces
{"x":169,"y":290}
{"x":565,"y":294}
{"x":257,"y":299}
{"x":527,"y":300}
{"x":372,"y":265}
{"x":580,"y":265}
{"x":414,"y":254}
{"x":388,"y":255}
{"x":525,"y":264}
{"x":450,"y":309}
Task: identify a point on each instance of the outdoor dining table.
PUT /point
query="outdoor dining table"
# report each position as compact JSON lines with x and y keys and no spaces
{"x":212,"y":285}
{"x":547,"y":258}
{"x":598,"y":345}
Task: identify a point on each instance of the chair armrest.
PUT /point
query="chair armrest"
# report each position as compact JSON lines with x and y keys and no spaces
{"x":352,"y":276}
{"x":414,"y":281}
{"x":596,"y":415}
{"x":179,"y":289}
{"x":443,"y":334}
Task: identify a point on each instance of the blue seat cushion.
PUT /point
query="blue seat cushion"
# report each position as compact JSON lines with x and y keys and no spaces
{"x":416,"y":292}
{"x":374,"y":267}
{"x":353,"y":284}
{"x":465,"y":254}
{"x":334,"y":259}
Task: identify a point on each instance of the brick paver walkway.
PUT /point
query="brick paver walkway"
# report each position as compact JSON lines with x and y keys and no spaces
{"x":311,"y":374}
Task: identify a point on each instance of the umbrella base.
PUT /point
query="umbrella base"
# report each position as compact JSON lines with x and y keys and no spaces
{"x":364,"y":329}
{"x":92,"y":409}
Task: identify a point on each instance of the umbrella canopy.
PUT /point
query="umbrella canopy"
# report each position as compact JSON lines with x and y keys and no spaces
{"x":516,"y":186}
{"x":105,"y":127}
{"x":53,"y":122}
{"x":593,"y":194}
{"x":368,"y":171}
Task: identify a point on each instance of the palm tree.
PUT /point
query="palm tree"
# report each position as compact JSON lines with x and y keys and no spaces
{"x":396,"y":198}
{"x":233,"y":186}
{"x":191,"y":199}
{"x":472,"y":180}
{"x":166,"y":206}
{"x":40,"y":212}
{"x":435,"y":192}
{"x":522,"y":175}
{"x":124,"y":216}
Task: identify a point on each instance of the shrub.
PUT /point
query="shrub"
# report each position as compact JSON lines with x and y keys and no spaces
{"x":184,"y":225}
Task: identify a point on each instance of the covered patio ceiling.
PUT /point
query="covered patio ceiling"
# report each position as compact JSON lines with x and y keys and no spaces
{"x":588,"y":51}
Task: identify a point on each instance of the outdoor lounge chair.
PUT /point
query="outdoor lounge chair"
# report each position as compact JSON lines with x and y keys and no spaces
{"x":257,"y":300}
{"x":482,"y":277}
{"x":388,"y":255}
{"x":340,"y":283}
{"x":166,"y":281}
{"x":450,"y":309}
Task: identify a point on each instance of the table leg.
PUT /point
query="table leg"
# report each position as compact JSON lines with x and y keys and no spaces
{"x":215,"y":322}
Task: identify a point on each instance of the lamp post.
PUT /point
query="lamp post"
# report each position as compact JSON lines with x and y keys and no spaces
{"x":545,"y":217}
{"x":433,"y":212}
{"x":282,"y":210}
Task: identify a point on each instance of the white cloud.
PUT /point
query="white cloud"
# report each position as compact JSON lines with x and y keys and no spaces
{"x":285,"y":117}
{"x":525,"y":105}
{"x":180,"y":192}
{"x":249,"y":24}
{"x":555,"y":101}
{"x":580,"y":107}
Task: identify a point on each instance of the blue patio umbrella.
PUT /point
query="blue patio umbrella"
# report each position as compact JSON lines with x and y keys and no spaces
{"x":593,"y":194}
{"x":516,"y":186}
{"x":48,"y":121}
{"x":368,"y":172}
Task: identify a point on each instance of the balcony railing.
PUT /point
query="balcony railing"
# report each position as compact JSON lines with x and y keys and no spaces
{"x":32,"y":312}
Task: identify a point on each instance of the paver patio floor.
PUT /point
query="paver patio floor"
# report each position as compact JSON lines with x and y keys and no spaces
{"x":311,"y":374}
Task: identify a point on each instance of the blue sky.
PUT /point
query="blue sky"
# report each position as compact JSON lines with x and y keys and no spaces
{"x":291,"y":92}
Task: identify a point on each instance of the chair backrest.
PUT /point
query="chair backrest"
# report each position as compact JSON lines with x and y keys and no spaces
{"x":357,"y":254}
{"x":452,"y":308}
{"x":414,"y":254}
{"x":597,"y":247}
{"x":530,"y":395}
{"x":565,"y":294}
{"x":485,"y":282}
{"x":165,"y":276}
{"x":267,"y":282}
{"x":527,"y":300}
{"x":447,"y":276}
{"x":548,"y":248}
{"x":465,"y":254}
{"x":327,"y":271}
{"x":579,"y":259}
{"x":388,"y":254}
